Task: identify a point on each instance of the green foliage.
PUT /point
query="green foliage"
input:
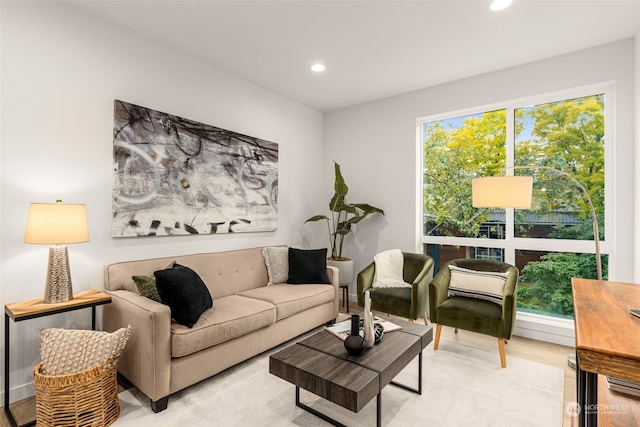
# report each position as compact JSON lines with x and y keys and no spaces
{"x":546,"y":285}
{"x":583,"y":231}
{"x":343,"y":215}
{"x":568,"y":136}
{"x":550,"y":291}
{"x":452,"y":158}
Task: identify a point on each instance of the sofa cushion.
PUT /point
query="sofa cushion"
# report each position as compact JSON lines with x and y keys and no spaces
{"x":225,"y":273}
{"x":308,"y":266}
{"x":471,"y":314}
{"x":233,"y":316}
{"x":184,"y":292}
{"x":292,"y":299}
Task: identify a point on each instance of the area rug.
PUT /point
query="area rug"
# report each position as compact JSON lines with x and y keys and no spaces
{"x":462,"y":386}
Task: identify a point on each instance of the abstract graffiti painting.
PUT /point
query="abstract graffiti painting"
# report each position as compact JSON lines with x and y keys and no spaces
{"x":173,"y":176}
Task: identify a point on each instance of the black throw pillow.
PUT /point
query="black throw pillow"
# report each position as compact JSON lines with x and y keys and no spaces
{"x":184,"y":292}
{"x":308,"y":266}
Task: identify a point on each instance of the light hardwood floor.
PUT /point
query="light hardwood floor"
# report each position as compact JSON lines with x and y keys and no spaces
{"x":537,"y":351}
{"x":626,"y":410}
{"x":524,"y":348}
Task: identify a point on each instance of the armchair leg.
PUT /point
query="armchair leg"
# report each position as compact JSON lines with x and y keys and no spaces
{"x":437,"y":340}
{"x":503,"y":357}
{"x":426,"y":318}
{"x":410,"y":320}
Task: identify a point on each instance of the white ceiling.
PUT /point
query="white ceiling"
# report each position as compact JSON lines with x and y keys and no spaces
{"x":372,"y":49}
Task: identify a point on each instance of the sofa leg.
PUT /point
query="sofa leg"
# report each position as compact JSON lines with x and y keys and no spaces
{"x":435,"y":343}
{"x":331,"y":322}
{"x":160,"y":404}
{"x":503,"y":356}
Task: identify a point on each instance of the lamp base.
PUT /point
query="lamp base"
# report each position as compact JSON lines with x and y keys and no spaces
{"x":58,"y":287}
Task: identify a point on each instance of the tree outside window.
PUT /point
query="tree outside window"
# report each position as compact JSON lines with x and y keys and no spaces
{"x":568,"y":135}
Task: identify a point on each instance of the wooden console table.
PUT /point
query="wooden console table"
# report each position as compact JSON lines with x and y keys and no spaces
{"x":607,"y":338}
{"x":26,"y":310}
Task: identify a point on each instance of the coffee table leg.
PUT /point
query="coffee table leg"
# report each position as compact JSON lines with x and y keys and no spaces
{"x":323,"y":416}
{"x":406,"y":387}
{"x":379,"y":409}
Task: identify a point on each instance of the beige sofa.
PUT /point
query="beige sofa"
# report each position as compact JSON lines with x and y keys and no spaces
{"x":247,"y":318}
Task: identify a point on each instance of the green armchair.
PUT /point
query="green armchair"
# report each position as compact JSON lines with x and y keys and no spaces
{"x":473,"y":314}
{"x":405,"y":302}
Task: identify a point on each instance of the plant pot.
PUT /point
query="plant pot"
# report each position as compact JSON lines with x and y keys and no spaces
{"x":345,"y":270}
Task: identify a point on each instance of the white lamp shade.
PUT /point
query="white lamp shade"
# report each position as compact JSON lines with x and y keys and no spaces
{"x":502,"y":192}
{"x":57,"y":223}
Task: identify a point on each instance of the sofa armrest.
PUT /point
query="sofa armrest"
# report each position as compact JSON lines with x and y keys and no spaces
{"x":332,"y":273}
{"x":146,"y":360}
{"x":365,"y":281}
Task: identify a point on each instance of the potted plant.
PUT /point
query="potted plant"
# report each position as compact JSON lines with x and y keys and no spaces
{"x":343,"y":216}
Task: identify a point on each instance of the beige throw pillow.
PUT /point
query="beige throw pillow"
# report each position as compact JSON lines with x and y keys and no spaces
{"x":67,"y":351}
{"x":277,"y":261}
{"x":486,"y":285}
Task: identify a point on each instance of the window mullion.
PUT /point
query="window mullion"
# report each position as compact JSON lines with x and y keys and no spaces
{"x":510,"y":156}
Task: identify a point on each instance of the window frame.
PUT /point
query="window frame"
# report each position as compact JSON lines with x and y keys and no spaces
{"x":510,"y":243}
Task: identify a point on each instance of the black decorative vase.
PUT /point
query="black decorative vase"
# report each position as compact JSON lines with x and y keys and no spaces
{"x":354,"y":342}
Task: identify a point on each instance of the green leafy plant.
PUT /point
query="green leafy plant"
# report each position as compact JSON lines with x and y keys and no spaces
{"x":343,"y":216}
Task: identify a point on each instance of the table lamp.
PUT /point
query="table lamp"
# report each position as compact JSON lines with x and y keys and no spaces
{"x":57,"y":224}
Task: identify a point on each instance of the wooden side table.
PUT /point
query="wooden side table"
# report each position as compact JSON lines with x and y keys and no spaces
{"x":26,"y":310}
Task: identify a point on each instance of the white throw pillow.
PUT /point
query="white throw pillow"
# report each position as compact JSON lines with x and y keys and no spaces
{"x":389,"y":265}
{"x":486,"y":285}
{"x":277,"y":260}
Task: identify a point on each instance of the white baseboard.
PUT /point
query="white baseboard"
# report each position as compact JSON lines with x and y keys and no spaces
{"x":19,"y":393}
{"x":544,"y":328}
{"x":534,"y":326}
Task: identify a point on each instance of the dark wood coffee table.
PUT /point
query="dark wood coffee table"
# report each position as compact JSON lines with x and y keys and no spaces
{"x":320,"y":364}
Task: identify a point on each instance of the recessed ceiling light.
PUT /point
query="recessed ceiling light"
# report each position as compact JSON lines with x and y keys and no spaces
{"x":317,"y":67}
{"x":500,"y":4}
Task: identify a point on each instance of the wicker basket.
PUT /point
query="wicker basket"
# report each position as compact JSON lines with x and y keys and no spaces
{"x":87,"y":398}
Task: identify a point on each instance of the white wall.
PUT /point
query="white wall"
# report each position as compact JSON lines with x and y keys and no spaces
{"x":61,"y":71}
{"x":376,"y":143}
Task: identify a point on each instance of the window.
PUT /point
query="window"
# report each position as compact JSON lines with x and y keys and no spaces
{"x":496,"y":254}
{"x":552,"y":241}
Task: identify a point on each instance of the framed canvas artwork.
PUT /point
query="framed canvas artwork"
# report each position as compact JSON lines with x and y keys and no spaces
{"x":174,"y":176}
